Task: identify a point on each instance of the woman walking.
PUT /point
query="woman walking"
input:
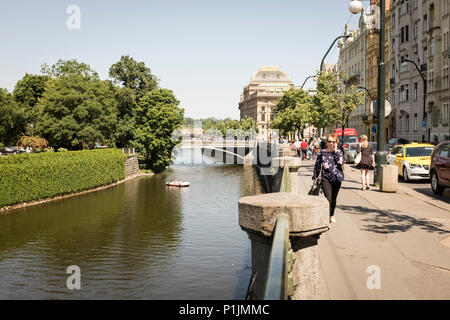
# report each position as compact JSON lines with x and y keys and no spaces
{"x":329,"y":164}
{"x":367,"y":161}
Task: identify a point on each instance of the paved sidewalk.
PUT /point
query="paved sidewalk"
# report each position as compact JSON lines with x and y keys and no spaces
{"x":404,"y":235}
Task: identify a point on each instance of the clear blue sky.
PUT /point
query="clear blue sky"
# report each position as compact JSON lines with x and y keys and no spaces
{"x":205,"y":51}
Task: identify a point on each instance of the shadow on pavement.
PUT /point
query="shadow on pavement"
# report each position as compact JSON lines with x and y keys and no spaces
{"x":389,"y":222}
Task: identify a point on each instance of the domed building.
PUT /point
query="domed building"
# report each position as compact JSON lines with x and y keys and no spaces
{"x":266,"y":86}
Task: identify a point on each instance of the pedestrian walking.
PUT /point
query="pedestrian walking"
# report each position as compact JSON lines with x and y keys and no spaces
{"x":316,"y":150}
{"x":367,"y":161}
{"x":304,"y":146}
{"x":297,"y":146}
{"x":329,"y":165}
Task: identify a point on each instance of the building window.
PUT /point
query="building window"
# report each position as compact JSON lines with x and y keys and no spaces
{"x":425,"y":23}
{"x":445,"y":11}
{"x":432,"y":48}
{"x":416,"y":3}
{"x":400,"y":124}
{"x":404,"y":34}
{"x":404,"y":66}
{"x":404,"y":7}
{"x":416,"y":29}
{"x":404,"y":93}
{"x":416,"y":122}
{"x":407,"y":123}
{"x":445,"y":113}
{"x":445,"y":78}
{"x":430,"y":81}
{"x":415,"y":90}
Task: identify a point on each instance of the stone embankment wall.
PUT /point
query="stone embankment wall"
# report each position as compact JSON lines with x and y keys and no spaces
{"x":131,"y":166}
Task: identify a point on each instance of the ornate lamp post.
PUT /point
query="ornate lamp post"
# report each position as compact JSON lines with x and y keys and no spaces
{"x":424,"y":119}
{"x":349,"y":39}
{"x":381,"y":155}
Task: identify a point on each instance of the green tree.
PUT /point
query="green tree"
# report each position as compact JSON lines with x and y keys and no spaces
{"x":69,"y":68}
{"x":335,"y":100}
{"x":157,"y":116}
{"x":325,"y":107}
{"x":134,"y":80}
{"x":292,"y":112}
{"x":77,"y":109}
{"x":27,"y":92}
{"x":133,"y":75}
{"x":12,"y":119}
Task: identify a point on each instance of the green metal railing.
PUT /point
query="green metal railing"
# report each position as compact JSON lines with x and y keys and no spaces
{"x":276,"y":284}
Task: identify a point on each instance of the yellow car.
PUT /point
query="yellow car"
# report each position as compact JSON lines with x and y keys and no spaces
{"x":413,"y":160}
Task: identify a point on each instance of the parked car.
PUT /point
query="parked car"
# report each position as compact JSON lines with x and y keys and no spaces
{"x":350,"y":152}
{"x":413,"y":160}
{"x":396,"y":141}
{"x":440,"y":167}
{"x":11,"y":150}
{"x":375,"y":147}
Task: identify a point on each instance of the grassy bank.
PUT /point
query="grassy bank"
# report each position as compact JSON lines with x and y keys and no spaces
{"x":29,"y":177}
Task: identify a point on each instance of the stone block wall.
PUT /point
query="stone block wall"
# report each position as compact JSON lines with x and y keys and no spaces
{"x":131,"y":166}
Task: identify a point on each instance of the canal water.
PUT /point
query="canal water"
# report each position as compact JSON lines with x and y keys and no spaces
{"x":137,"y":240}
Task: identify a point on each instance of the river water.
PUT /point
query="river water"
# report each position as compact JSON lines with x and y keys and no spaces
{"x":137,"y":240}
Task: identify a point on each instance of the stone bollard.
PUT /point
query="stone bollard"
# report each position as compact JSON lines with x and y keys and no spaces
{"x":308,"y":218}
{"x":388,"y":178}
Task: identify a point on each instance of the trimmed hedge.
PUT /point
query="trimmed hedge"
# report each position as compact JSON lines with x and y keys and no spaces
{"x":29,"y":177}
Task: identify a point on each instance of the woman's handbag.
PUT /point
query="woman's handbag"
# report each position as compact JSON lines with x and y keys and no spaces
{"x":315,"y":188}
{"x":358,"y":158}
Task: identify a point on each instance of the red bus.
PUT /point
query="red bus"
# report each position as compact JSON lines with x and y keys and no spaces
{"x":350,"y":136}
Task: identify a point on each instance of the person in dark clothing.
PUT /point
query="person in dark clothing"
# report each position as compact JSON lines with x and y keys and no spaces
{"x":329,"y":164}
{"x":323,"y":143}
{"x":367,"y":161}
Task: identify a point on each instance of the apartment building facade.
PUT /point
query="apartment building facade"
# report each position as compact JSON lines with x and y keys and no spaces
{"x":420,"y":32}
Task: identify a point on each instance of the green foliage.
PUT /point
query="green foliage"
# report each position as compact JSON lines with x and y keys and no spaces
{"x":133,"y":75}
{"x":292,"y":112}
{"x":12,"y":119}
{"x":335,"y":100}
{"x":29,"y":177}
{"x":229,"y":128}
{"x":69,"y":68}
{"x":27,"y":92}
{"x":157,"y":117}
{"x":76,"y":112}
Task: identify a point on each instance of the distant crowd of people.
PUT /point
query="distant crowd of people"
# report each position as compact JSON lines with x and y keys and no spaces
{"x":307,"y":149}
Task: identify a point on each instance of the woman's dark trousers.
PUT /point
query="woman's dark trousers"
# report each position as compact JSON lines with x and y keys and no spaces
{"x":331,"y":190}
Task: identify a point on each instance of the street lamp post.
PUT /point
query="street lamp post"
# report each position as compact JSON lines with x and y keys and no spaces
{"x":346,"y":36}
{"x":424,"y":119}
{"x":307,"y":80}
{"x":381,"y":155}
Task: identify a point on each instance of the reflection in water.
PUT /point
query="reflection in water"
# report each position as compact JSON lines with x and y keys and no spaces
{"x":137,"y":240}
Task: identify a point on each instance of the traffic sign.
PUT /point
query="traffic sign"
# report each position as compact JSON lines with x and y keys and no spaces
{"x":373,"y":129}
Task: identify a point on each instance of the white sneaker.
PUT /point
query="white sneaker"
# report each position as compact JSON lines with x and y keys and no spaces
{"x":333,"y":219}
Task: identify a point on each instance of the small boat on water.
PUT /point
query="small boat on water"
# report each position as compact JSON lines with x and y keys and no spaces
{"x":178,"y":183}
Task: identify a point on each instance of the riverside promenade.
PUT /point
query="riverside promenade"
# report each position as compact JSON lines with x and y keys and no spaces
{"x":383,"y":245}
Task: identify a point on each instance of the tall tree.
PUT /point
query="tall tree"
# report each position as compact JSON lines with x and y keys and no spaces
{"x":77,"y":109}
{"x":12,"y":119}
{"x":135,"y":80}
{"x":157,"y":116}
{"x":292,"y":112}
{"x":133,"y":75}
{"x":27,"y":92}
{"x":325,"y":107}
